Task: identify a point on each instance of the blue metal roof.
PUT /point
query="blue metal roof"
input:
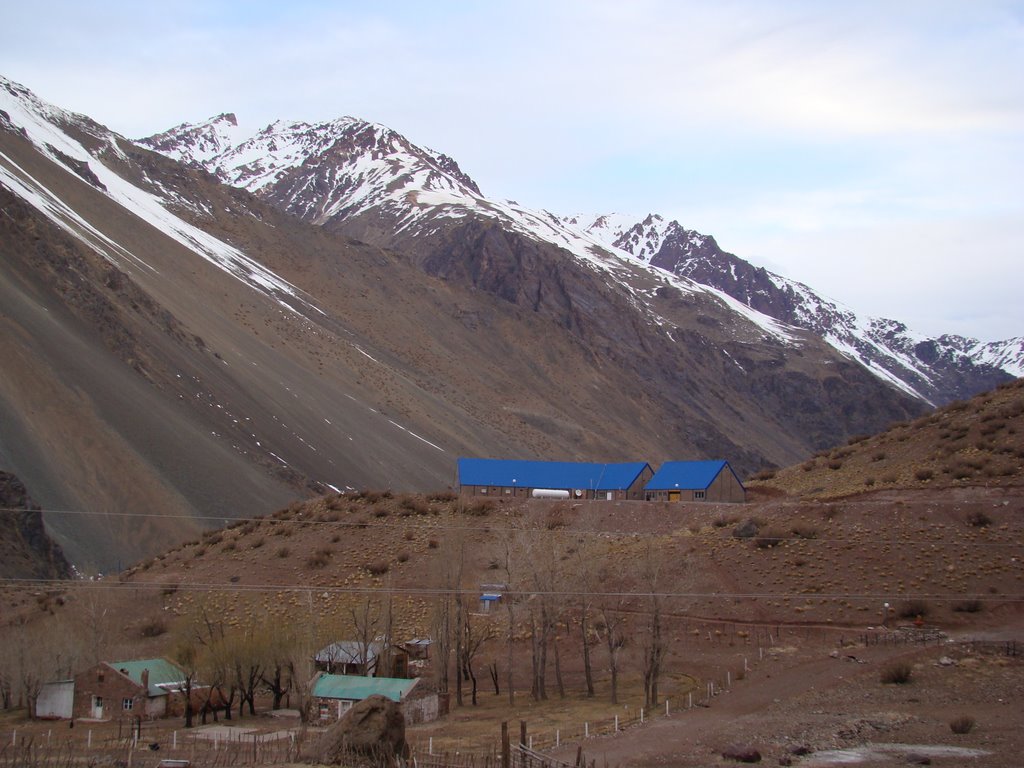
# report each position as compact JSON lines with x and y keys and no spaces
{"x":687,"y":475}
{"x":356,"y":688}
{"x":557,"y":475}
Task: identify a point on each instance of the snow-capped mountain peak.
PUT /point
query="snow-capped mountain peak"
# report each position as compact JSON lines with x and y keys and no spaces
{"x":378,"y":186}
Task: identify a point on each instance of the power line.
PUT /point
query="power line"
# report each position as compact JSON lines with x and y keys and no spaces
{"x":328,"y":590}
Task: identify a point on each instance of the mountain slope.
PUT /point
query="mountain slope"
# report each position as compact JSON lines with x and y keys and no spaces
{"x":26,"y":552}
{"x":179,"y":351}
{"x":371,"y":183}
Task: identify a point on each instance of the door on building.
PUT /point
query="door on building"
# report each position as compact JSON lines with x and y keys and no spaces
{"x":97,"y":707}
{"x":673,"y":495}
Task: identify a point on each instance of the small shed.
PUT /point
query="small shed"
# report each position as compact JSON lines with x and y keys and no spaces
{"x":349,"y":657}
{"x":56,"y":700}
{"x":696,"y":481}
{"x":334,"y":695}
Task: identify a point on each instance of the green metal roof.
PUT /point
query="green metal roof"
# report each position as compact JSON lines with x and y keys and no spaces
{"x":161,"y":672}
{"x":357,"y":688}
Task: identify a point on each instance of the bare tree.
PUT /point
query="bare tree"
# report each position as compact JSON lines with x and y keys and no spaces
{"x":366,"y":618}
{"x":612,"y":625}
{"x":449,"y":611}
{"x":654,"y":646}
{"x":584,"y":561}
{"x":474,"y":636}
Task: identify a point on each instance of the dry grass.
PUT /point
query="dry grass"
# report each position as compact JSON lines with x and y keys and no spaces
{"x":974,"y":442}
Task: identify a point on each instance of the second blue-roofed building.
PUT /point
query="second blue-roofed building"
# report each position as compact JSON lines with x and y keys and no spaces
{"x":512,"y":478}
{"x":696,"y":481}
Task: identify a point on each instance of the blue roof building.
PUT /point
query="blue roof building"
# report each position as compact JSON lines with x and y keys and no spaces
{"x":696,"y":481}
{"x":510,"y":478}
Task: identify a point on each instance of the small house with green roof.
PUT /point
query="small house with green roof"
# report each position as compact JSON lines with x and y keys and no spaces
{"x":139,"y":688}
{"x":334,"y":695}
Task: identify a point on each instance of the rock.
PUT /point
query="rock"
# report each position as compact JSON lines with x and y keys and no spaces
{"x":800,"y":750}
{"x":372,"y":731}
{"x":915,"y":758}
{"x":742,"y":754}
{"x":834,"y":655}
{"x":945,"y":661}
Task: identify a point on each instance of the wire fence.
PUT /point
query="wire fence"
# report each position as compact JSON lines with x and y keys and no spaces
{"x":150,"y":745}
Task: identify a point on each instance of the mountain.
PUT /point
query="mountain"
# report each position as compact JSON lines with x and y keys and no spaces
{"x":26,"y":551}
{"x":938,"y":370}
{"x":179,"y":351}
{"x":372,"y":183}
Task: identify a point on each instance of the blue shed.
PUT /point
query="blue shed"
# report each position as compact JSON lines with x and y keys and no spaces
{"x":696,"y":481}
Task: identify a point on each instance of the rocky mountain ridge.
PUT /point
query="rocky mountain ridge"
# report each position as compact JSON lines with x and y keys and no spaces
{"x":371,"y":183}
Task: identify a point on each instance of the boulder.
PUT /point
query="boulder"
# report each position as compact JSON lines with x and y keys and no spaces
{"x":372,"y":732}
{"x":742,"y":754}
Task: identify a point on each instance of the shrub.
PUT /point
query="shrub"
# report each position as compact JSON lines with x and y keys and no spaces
{"x":722,"y":522}
{"x":835,"y":464}
{"x":765,"y":474}
{"x":897,"y":673}
{"x":978,"y":519}
{"x":748,"y":530}
{"x":878,"y":456}
{"x":229,"y":546}
{"x":213,"y":537}
{"x":807,"y":466}
{"x":968,"y":606}
{"x":912,"y":609}
{"x":169,"y":589}
{"x":805,"y":531}
{"x":413,"y":505}
{"x":283,"y":552}
{"x":443,"y":496}
{"x":433,"y":544}
{"x":770,"y":538}
{"x":153,"y":628}
{"x":320,"y":558}
{"x":403,"y":556}
{"x":962,"y":724}
{"x":480,"y":507}
{"x":335,"y":538}
{"x":257,"y":542}
{"x":924,"y":474}
{"x":377,"y":568}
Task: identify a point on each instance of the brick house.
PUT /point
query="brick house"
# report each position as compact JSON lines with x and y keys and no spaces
{"x":334,"y":695}
{"x":141,"y":688}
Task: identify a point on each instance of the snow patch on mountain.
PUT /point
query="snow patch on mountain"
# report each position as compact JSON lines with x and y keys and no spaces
{"x":42,"y":124}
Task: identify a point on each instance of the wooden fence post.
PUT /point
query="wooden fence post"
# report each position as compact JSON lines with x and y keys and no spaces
{"x":506,"y":750}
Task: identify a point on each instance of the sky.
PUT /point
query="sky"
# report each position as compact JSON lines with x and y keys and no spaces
{"x":873,"y":150}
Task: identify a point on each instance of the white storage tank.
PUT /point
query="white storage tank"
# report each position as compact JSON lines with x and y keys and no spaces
{"x":549,"y":493}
